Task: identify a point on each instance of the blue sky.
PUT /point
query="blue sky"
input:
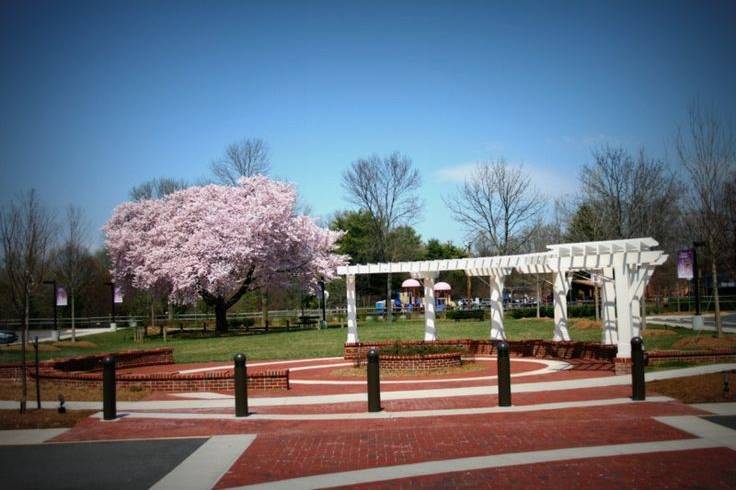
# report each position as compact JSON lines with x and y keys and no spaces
{"x":98,"y":97}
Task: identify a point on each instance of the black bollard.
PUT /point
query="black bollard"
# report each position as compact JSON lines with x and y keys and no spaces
{"x":241,"y":386}
{"x":374,"y":382}
{"x":638,"y":387}
{"x":108,"y":388}
{"x":38,"y":378}
{"x":504,"y":374}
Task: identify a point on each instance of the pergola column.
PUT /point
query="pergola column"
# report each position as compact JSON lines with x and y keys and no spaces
{"x":352,"y":310}
{"x":561,"y":286}
{"x":608,"y":308}
{"x":430,"y":330}
{"x":639,"y":280}
{"x":496,"y":283}
{"x":623,"y":305}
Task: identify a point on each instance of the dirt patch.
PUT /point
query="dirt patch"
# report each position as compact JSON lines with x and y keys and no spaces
{"x":658,"y":332}
{"x":79,"y":344}
{"x":586,"y":324}
{"x":41,"y":419}
{"x":467,"y":367}
{"x":51,"y":390}
{"x":705,"y":342}
{"x":705,"y":388}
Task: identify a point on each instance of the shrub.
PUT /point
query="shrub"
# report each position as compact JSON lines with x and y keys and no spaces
{"x":399,"y":349}
{"x":465,"y":315}
{"x":577,"y":311}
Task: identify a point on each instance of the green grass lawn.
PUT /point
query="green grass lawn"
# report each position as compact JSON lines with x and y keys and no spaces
{"x":280,"y":344}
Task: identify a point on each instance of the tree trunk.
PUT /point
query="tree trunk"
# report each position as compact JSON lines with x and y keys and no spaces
{"x":596,"y":295}
{"x":153,"y":313}
{"x":643,"y":306}
{"x":716,"y":298}
{"x":220,"y":316}
{"x":264,"y":310}
{"x":389,"y":303}
{"x":74,"y":325}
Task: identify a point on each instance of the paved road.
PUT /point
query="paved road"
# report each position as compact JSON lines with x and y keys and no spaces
{"x":686,"y":321}
{"x":110,"y":465}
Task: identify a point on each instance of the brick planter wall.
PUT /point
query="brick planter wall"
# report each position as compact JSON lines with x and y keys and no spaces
{"x":11,"y":372}
{"x":418,"y":362}
{"x":706,"y":356}
{"x":545,"y":349}
{"x":125,"y":359}
{"x":87,"y":370}
{"x":174,"y":382}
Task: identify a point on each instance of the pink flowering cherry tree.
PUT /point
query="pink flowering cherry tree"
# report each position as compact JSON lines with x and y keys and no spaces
{"x":218,"y":242}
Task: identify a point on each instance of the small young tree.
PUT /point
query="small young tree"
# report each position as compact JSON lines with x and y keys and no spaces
{"x":26,"y":231}
{"x":219,"y":242}
{"x":707,"y":150}
{"x":73,"y":261}
{"x":385,"y":188}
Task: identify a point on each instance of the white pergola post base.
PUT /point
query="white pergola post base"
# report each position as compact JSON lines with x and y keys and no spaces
{"x":609,"y":334}
{"x":561,"y":286}
{"x":352,"y":310}
{"x":430,"y":330}
{"x":496,"y":283}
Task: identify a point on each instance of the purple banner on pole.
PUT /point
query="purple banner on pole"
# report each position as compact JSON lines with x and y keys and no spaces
{"x":685,"y":259}
{"x":118,"y":294}
{"x":61,"y":296}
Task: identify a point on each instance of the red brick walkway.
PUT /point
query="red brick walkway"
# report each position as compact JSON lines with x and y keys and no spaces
{"x":285,"y":449}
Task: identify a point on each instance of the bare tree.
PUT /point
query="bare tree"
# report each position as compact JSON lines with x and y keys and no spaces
{"x":627,"y":197}
{"x":707,"y":150}
{"x":157,"y":188}
{"x":26,"y":230}
{"x":73,"y":261}
{"x":499,"y":203}
{"x":384,"y":187}
{"x":245,"y":158}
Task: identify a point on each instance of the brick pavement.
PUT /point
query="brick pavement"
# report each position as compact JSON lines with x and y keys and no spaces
{"x":286,"y":449}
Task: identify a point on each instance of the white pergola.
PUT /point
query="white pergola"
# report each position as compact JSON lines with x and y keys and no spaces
{"x":624,"y":267}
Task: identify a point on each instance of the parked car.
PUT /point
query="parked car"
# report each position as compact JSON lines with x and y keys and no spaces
{"x":8,"y":337}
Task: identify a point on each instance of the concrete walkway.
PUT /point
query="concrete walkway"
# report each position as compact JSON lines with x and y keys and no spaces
{"x":686,"y":321}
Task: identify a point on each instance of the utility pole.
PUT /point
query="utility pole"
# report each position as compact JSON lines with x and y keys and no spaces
{"x":698,"y":317}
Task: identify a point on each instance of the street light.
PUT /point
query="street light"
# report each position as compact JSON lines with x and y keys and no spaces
{"x":113,"y":326}
{"x":55,"y":334}
{"x":324,"y":302}
{"x":697,"y":318}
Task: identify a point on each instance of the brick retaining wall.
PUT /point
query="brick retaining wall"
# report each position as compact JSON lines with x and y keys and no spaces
{"x":174,"y":382}
{"x":706,"y":356}
{"x":87,"y":370}
{"x":546,"y":349}
{"x":125,"y":359}
{"x":418,"y":362}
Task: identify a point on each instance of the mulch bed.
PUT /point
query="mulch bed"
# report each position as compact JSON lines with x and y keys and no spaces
{"x":705,"y":388}
{"x":41,"y":419}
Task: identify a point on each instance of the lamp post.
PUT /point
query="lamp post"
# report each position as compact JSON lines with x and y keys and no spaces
{"x":697,"y":318}
{"x":468,"y":285}
{"x":113,"y":326}
{"x":55,"y":333}
{"x":324,"y":303}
